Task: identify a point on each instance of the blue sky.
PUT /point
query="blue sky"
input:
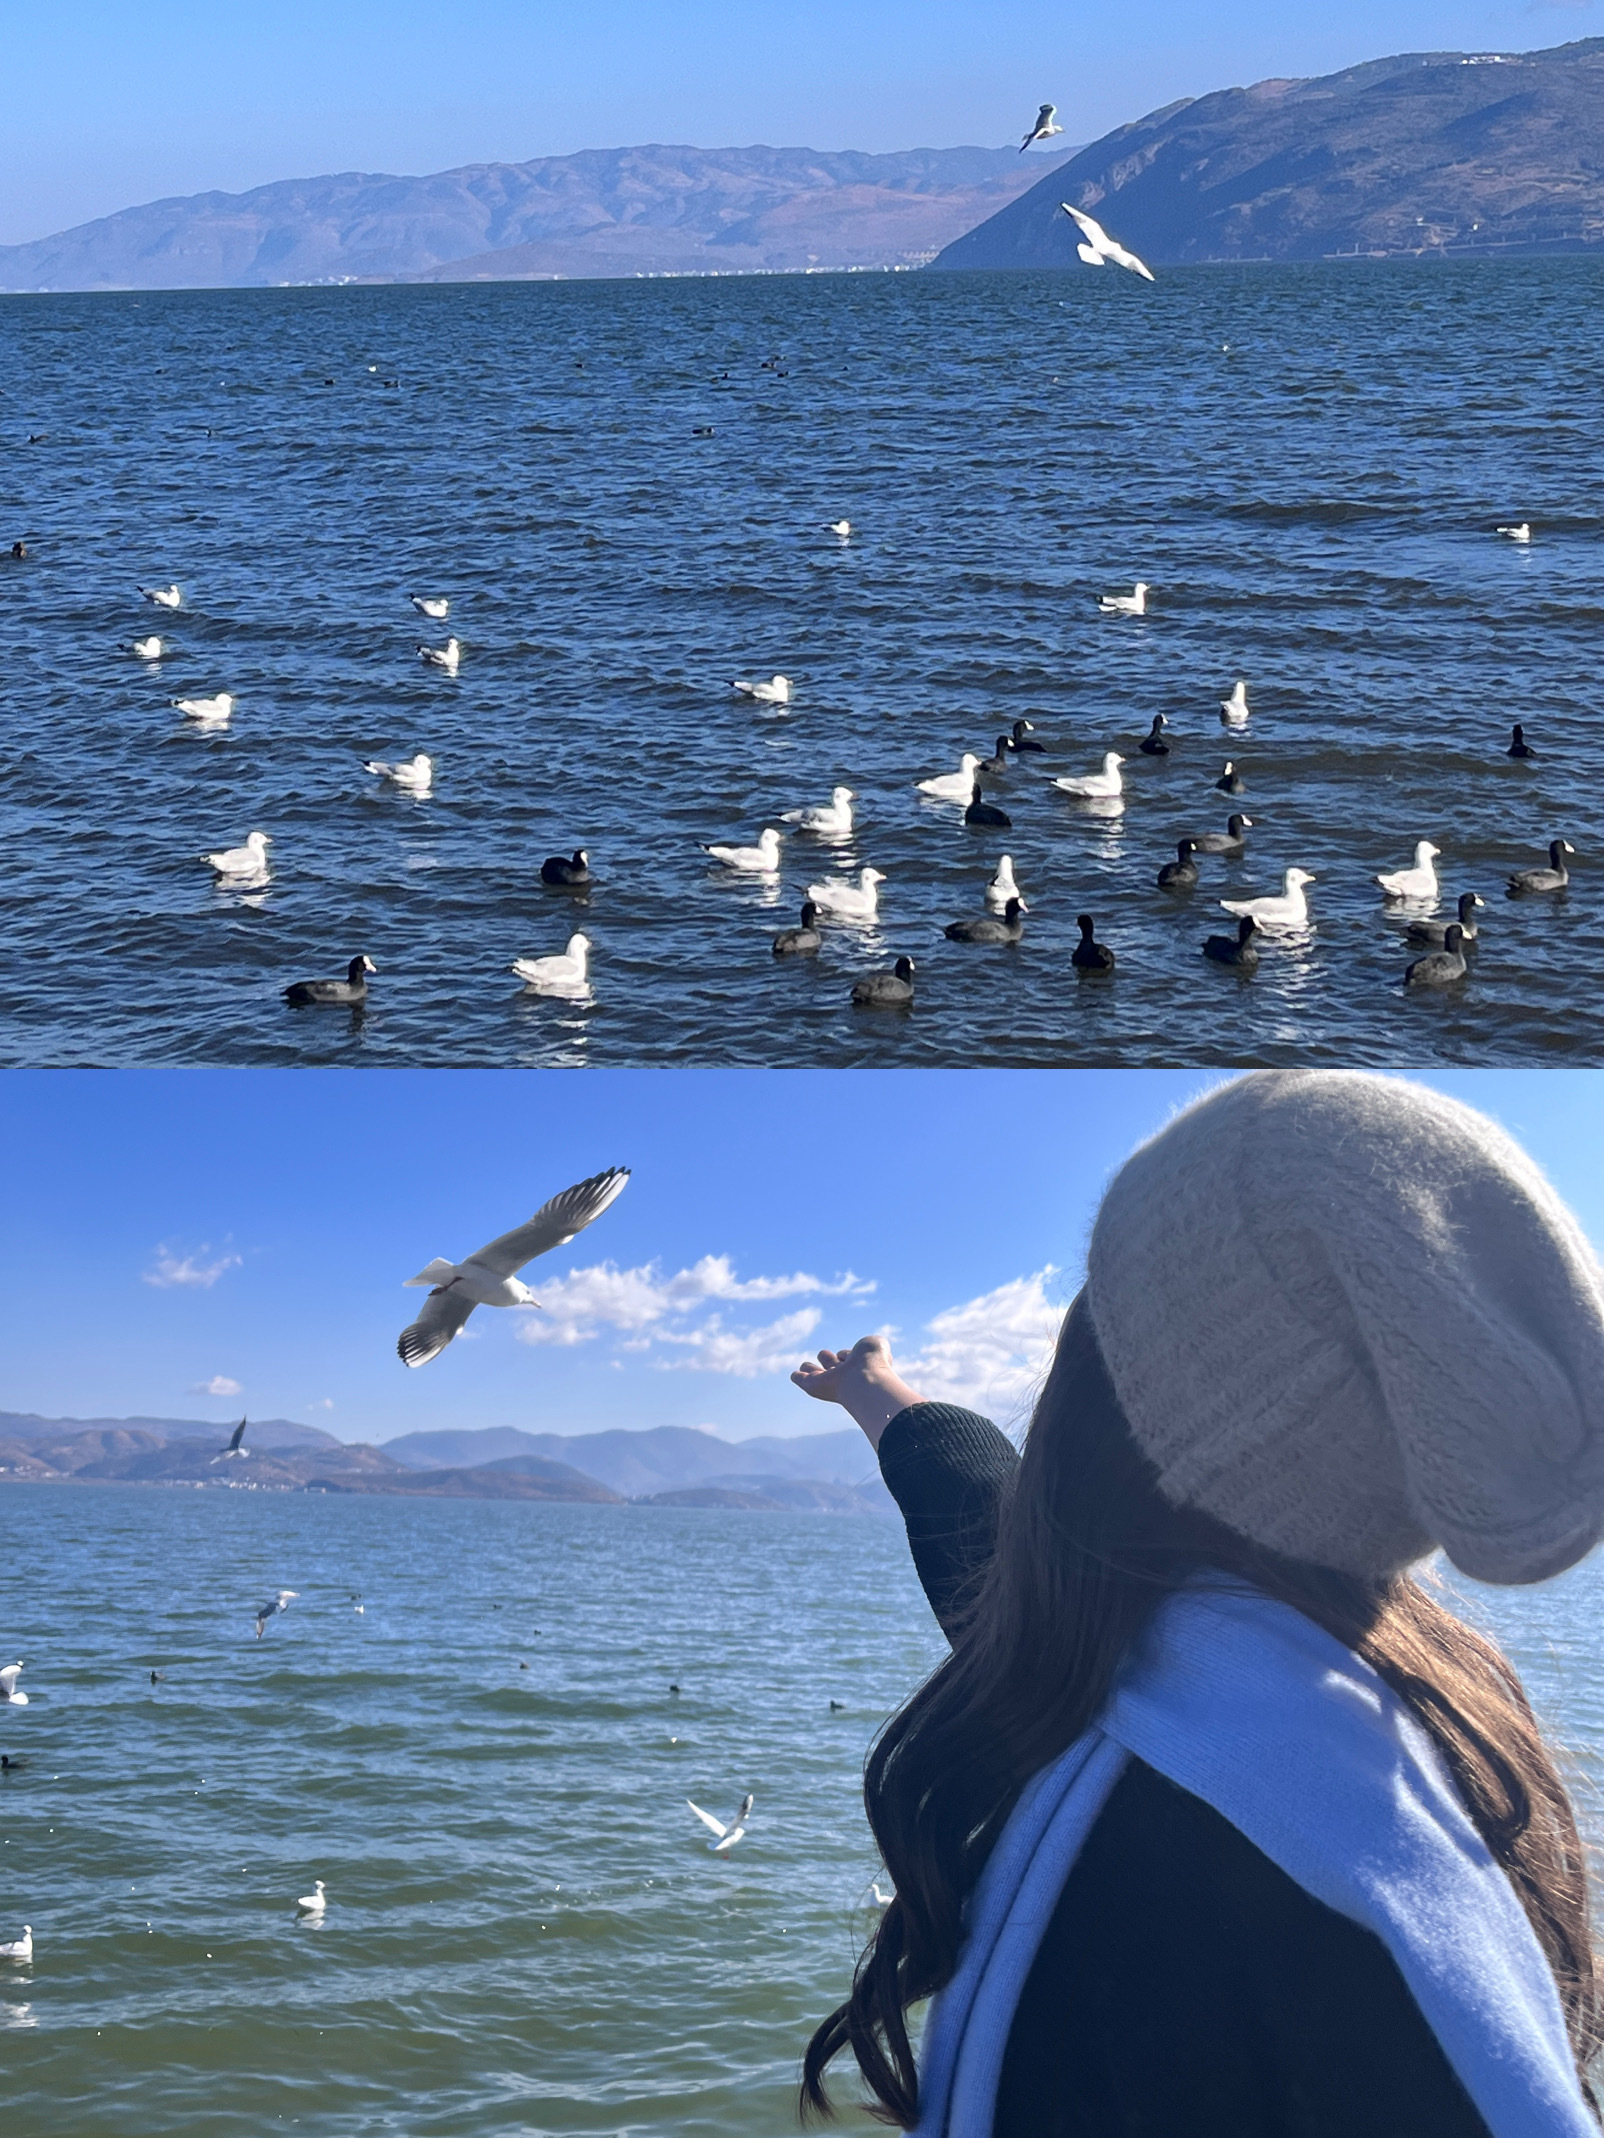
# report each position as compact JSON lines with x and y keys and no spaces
{"x":104,"y":104}
{"x":168,"y":1229}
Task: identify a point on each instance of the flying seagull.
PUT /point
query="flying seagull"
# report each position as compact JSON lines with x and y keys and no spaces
{"x":727,"y":1835}
{"x":8,"y":1686}
{"x":281,"y":1602}
{"x":236,"y":1443}
{"x":1098,"y":246}
{"x":486,"y":1278}
{"x":1045,"y":125}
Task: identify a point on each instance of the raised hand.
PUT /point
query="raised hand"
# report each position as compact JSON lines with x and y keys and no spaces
{"x":864,"y":1381}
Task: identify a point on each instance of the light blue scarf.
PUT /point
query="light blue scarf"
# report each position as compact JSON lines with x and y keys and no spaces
{"x":1250,"y":1706}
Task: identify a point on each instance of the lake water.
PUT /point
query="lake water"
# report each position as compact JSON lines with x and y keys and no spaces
{"x":1307,"y":463}
{"x":525,"y":1932}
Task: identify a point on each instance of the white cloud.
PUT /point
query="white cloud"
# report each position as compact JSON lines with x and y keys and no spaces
{"x":991,"y":1351}
{"x":218,"y":1385}
{"x":322,"y":1403}
{"x":647,"y":1309}
{"x":172,"y":1269}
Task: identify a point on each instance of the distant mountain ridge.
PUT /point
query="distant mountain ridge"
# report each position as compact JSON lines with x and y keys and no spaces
{"x":654,"y":1459}
{"x":659,"y":209}
{"x":264,"y":1432}
{"x":1447,"y":153}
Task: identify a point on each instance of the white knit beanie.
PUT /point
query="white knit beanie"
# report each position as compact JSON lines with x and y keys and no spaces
{"x":1350,"y":1319}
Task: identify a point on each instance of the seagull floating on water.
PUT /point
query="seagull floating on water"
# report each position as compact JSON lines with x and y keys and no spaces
{"x":1097,"y":246}
{"x":760,"y":860}
{"x":447,"y":656}
{"x":878,"y":1899}
{"x":217,"y":708}
{"x":301,"y":994}
{"x":19,"y":1948}
{"x":1002,"y":887}
{"x":566,"y":972}
{"x":1097,"y":784}
{"x":776,"y":691}
{"x":1286,"y":909}
{"x":415,"y":775}
{"x":315,"y":1902}
{"x":853,"y":901}
{"x":147,"y":649}
{"x":165,"y":597}
{"x":843,"y":528}
{"x":834,"y":816}
{"x":953,"y":786}
{"x":247,"y":860}
{"x":1520,"y":532}
{"x":9,"y":1694}
{"x":1132,"y":604}
{"x":1234,"y":710}
{"x":1420,"y":881}
{"x":281,"y":1602}
{"x":727,"y":1835}
{"x":435,"y":606}
{"x":487,"y":1278}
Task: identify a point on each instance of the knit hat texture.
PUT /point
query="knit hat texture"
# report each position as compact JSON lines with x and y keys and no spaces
{"x":1349,"y":1318}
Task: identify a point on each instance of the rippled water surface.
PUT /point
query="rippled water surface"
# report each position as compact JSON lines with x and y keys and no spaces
{"x":1306,"y":463}
{"x":525,"y":1932}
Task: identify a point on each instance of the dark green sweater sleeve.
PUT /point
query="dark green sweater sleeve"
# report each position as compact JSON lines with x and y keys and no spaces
{"x":948,"y":1471}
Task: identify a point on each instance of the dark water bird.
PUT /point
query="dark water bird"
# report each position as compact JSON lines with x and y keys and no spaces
{"x":1436,"y":932}
{"x":1231,"y":781}
{"x":1554,"y":878}
{"x":703,"y":430}
{"x":1440,"y":968}
{"x":1518,"y":745}
{"x":561,"y":872}
{"x":157,"y":1676}
{"x":984,"y":812}
{"x":988,"y":929}
{"x":1020,"y":739}
{"x":837,"y":1707}
{"x":8,"y":1762}
{"x":673,"y":1688}
{"x":19,"y":550}
{"x":1152,"y":743}
{"x":885,"y":990}
{"x":353,"y":988}
{"x":1090,"y":956}
{"x":1181,"y":873}
{"x":997,"y":764}
{"x":1229,"y":841}
{"x":1239,"y":950}
{"x":800,"y":942}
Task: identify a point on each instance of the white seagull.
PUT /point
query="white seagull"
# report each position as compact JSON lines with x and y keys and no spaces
{"x":1234,"y":710}
{"x":727,"y":1835}
{"x":1097,"y":246}
{"x":834,"y":816}
{"x":853,"y":901}
{"x":1132,"y":604}
{"x":567,"y":972}
{"x":1420,"y":881}
{"x":760,"y":860}
{"x":147,"y":649}
{"x":878,"y":1899}
{"x":19,"y":1948}
{"x":776,"y":691}
{"x":281,"y":1602}
{"x":415,"y":774}
{"x":165,"y":597}
{"x":216,"y":708}
{"x":953,"y":786}
{"x":1094,"y":784}
{"x":487,"y":1279}
{"x":435,"y":606}
{"x":1520,"y":532}
{"x":446,"y":656}
{"x":1289,"y":910}
{"x":843,"y":528}
{"x":1044,"y":128}
{"x":1002,"y":887}
{"x":8,"y":1686}
{"x":247,"y":860}
{"x":236,"y":1444}
{"x":315,"y":1902}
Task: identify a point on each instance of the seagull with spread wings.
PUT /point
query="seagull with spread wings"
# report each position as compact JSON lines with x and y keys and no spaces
{"x":487,"y":1278}
{"x":236,"y":1444}
{"x":1097,"y":246}
{"x":1043,"y":127}
{"x":727,"y":1835}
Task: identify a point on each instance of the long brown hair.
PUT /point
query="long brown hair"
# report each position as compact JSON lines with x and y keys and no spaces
{"x":1087,"y":1550}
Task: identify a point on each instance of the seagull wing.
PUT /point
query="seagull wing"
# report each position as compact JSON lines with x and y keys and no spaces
{"x":237,"y":1435}
{"x":1090,"y":229}
{"x":8,"y":1685}
{"x":1122,"y":257}
{"x":552,"y":1225}
{"x":716,"y":1826}
{"x":444,"y":1313}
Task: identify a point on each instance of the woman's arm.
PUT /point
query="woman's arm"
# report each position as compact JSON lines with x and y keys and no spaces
{"x":947,"y":1469}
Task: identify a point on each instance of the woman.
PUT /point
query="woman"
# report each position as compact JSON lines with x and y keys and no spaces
{"x":1215,"y":1824}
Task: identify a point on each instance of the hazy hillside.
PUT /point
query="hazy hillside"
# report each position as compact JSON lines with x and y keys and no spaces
{"x":626,"y":211}
{"x":264,"y":1432}
{"x":656,"y":1459}
{"x":1441,"y":152}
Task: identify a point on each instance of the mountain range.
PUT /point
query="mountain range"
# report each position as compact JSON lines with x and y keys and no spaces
{"x":1427,"y":153}
{"x":604,"y":212}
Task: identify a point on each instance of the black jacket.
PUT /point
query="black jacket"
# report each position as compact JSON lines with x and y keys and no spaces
{"x":1186,"y":1986}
